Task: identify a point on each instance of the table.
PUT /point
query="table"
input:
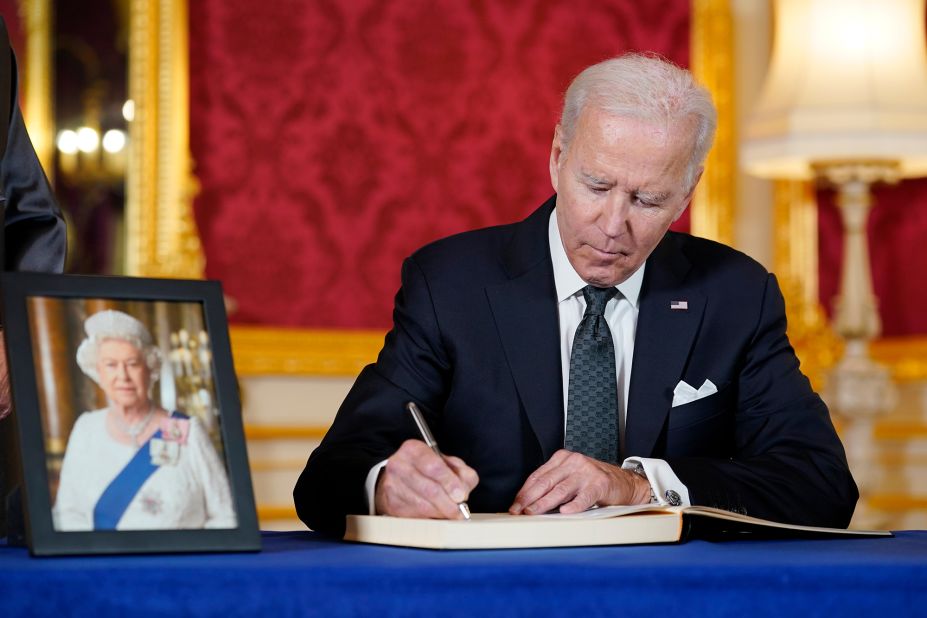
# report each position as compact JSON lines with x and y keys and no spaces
{"x":304,"y":574}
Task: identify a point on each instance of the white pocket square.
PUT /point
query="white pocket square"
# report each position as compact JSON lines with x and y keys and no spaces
{"x":684,"y":393}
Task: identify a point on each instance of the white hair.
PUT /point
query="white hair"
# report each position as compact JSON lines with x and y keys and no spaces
{"x":109,"y":325}
{"x":645,"y":87}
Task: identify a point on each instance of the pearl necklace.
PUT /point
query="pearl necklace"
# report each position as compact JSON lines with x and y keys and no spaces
{"x":136,"y":428}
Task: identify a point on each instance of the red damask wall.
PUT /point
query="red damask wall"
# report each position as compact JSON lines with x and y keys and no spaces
{"x":9,"y":9}
{"x":331,"y":139}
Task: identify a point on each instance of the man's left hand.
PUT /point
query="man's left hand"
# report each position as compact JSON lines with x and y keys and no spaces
{"x":575,"y":482}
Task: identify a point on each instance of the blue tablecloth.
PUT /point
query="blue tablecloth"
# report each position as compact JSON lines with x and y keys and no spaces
{"x":305,"y":574}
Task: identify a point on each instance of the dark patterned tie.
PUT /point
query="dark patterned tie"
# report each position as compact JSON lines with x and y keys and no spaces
{"x":592,"y":398}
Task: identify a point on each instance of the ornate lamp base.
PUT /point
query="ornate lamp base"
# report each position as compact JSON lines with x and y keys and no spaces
{"x":858,"y":387}
{"x":859,"y":390}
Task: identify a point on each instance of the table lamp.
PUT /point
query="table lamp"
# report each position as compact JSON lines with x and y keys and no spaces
{"x":845,"y":101}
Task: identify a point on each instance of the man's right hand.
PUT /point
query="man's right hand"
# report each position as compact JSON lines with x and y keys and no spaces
{"x":416,"y":482}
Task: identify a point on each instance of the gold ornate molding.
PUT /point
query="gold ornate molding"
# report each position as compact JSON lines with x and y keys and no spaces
{"x":161,"y":236}
{"x":36,"y":79}
{"x":795,"y":238}
{"x":712,"y":209}
{"x":795,"y":262}
{"x":284,"y":351}
{"x":906,"y":357}
{"x":285,"y":432}
{"x":889,"y":429}
{"x":897,"y":503}
{"x":276,"y":512}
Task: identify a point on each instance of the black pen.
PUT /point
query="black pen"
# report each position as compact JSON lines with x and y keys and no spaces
{"x":430,"y":441}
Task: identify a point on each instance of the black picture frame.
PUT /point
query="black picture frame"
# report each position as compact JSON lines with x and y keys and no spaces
{"x":31,"y":468}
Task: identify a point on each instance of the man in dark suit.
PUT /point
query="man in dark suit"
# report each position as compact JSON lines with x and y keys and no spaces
{"x":587,"y":356}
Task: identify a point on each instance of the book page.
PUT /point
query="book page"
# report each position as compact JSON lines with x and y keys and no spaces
{"x":604,"y":512}
{"x":501,"y":530}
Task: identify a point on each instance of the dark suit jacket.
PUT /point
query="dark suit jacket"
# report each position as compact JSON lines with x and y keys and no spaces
{"x":475,"y":342}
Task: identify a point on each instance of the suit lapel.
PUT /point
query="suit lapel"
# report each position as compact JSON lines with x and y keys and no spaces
{"x":525,"y":312}
{"x":662,"y":344}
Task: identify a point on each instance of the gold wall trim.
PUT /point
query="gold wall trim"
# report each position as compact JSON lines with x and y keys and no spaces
{"x":900,"y":430}
{"x":270,"y":512}
{"x":897,"y":503}
{"x":712,"y":49}
{"x":35,"y":76}
{"x":795,"y":262}
{"x":906,"y":357}
{"x":795,"y":238}
{"x":278,"y":465}
{"x":161,"y":236}
{"x":285,"y":432}
{"x":896,"y":458}
{"x":283,"y":351}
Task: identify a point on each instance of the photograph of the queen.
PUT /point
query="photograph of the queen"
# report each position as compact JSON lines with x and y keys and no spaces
{"x":134,"y":465}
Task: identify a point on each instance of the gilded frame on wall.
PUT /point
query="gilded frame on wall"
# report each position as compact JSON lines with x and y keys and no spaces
{"x":161,"y":234}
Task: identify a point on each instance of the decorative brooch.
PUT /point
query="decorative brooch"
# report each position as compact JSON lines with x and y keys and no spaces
{"x":163,"y":453}
{"x":175,"y":430}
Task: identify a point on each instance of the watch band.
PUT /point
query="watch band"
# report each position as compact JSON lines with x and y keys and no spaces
{"x":639,"y":470}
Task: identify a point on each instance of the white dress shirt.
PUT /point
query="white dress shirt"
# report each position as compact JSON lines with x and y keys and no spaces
{"x":621,"y":316}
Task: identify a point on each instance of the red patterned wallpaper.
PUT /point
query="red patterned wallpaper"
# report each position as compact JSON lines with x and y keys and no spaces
{"x":10,"y":11}
{"x":331,"y":139}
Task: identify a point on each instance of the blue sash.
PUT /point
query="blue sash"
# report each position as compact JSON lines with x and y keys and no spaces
{"x":116,"y":498}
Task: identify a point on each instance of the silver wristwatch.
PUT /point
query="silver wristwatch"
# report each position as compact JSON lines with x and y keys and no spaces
{"x":639,"y":470}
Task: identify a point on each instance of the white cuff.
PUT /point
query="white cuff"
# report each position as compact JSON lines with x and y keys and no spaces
{"x":371,"y":486}
{"x":666,"y":486}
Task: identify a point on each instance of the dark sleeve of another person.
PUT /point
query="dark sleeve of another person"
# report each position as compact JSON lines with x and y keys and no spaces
{"x":34,"y":230}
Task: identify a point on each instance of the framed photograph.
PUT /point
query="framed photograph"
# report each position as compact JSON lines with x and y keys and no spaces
{"x":127,"y":414}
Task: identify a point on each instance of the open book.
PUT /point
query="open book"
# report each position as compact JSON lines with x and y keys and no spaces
{"x":613,"y":525}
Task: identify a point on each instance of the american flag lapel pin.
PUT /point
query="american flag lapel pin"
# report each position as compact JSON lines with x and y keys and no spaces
{"x":679,"y":305}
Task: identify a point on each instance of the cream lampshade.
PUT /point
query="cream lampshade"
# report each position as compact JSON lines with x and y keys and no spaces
{"x":845,"y":100}
{"x":847,"y":83}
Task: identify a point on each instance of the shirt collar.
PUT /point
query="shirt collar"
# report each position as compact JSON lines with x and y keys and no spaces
{"x":568,"y":281}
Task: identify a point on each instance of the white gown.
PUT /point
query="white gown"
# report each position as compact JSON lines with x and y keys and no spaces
{"x":190,"y":494}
